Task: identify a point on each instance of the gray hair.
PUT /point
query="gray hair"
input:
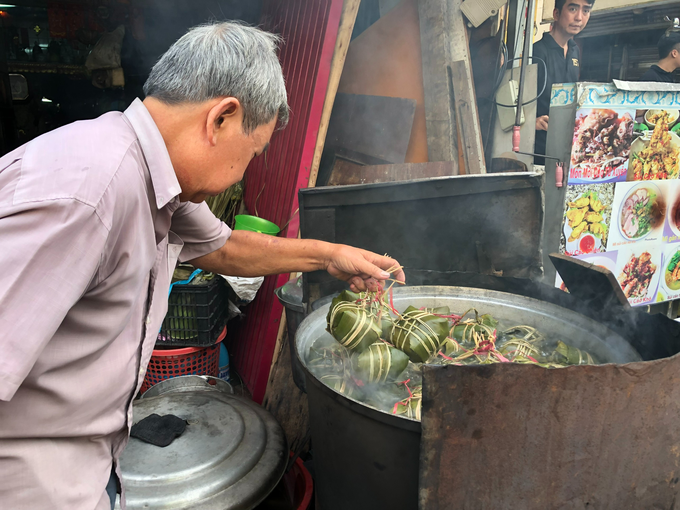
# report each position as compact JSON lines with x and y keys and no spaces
{"x":224,"y":60}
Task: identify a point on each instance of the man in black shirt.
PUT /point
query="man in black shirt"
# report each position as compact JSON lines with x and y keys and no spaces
{"x":669,"y":59}
{"x":561,"y":56}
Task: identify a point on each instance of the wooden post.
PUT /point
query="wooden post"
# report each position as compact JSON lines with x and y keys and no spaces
{"x":449,"y":94}
{"x":442,"y":133}
{"x":464,"y":90}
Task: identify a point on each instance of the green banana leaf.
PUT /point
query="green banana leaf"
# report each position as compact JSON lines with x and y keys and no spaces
{"x":386,"y":325}
{"x":380,"y":363}
{"x":569,"y":355}
{"x":420,"y":333}
{"x":352,"y":324}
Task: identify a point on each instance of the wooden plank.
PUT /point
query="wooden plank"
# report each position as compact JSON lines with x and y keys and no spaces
{"x":347,"y":19}
{"x":377,"y":126}
{"x":346,"y":172}
{"x":463,"y":85}
{"x":442,"y":135}
{"x":467,"y":117}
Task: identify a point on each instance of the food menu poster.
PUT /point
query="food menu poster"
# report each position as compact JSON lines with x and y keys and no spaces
{"x":622,"y":207}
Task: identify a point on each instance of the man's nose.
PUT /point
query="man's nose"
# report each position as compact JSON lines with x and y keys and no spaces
{"x":579,"y":15}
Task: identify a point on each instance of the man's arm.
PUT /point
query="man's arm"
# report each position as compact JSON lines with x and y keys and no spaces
{"x":250,"y":254}
{"x":541,"y":61}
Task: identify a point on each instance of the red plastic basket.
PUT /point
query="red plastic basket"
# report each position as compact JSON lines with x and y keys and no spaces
{"x":168,"y":363}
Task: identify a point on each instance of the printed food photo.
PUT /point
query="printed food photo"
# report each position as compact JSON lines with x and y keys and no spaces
{"x":601,"y":145}
{"x":672,"y":270}
{"x":643,"y":210}
{"x":586,"y":221}
{"x":639,"y":275}
{"x":656,"y":156}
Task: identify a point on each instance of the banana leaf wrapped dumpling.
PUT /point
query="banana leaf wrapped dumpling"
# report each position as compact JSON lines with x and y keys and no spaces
{"x":420,"y":333}
{"x":569,"y":355}
{"x":481,"y":327}
{"x":380,"y":363}
{"x":351,"y":323}
{"x":411,"y":407}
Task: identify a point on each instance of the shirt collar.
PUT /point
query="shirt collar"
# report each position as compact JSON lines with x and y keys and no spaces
{"x":165,"y":184}
{"x":552,"y":43}
{"x":660,"y":70}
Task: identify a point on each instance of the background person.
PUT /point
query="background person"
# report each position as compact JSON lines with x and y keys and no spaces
{"x":669,"y":60}
{"x":562,"y":59}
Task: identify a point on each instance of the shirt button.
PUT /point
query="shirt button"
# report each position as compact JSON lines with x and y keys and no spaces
{"x":148,"y":319}
{"x":141,"y":372}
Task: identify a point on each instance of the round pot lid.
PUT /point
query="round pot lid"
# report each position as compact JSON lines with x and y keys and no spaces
{"x":231,"y":455}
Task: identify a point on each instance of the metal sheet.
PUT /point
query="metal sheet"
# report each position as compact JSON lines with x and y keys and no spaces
{"x":560,"y":135}
{"x":502,"y":140}
{"x":508,"y":437}
{"x":589,"y":283}
{"x":435,"y":224}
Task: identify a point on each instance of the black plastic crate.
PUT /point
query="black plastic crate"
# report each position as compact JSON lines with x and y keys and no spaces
{"x":196,"y":314}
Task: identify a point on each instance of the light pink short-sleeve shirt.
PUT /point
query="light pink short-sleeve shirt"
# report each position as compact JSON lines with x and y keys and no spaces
{"x":90,"y":230}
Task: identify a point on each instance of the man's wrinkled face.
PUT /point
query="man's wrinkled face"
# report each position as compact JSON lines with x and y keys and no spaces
{"x":233,"y":155}
{"x":573,"y":17}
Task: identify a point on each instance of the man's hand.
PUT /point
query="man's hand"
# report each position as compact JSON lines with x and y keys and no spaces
{"x":542,"y":123}
{"x":249,"y":254}
{"x":362,"y":269}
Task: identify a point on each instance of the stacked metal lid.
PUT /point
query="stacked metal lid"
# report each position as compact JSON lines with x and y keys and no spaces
{"x":231,"y":456}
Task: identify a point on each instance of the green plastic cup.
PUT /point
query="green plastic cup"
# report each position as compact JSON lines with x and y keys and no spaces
{"x":255,"y":224}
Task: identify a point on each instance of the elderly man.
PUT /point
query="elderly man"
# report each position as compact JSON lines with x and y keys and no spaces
{"x":93,"y":218}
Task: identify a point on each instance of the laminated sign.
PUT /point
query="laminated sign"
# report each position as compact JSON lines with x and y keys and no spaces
{"x":623,"y":189}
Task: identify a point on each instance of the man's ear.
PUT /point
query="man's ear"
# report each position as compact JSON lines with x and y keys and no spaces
{"x":556,"y":14}
{"x":226,"y":109}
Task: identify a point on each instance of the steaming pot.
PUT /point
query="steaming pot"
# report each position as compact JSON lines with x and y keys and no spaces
{"x":369,"y":459}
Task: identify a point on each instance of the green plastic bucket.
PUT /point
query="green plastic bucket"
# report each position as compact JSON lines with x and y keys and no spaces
{"x":255,"y":224}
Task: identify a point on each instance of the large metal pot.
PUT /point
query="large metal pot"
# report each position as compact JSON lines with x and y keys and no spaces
{"x":368,"y":459}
